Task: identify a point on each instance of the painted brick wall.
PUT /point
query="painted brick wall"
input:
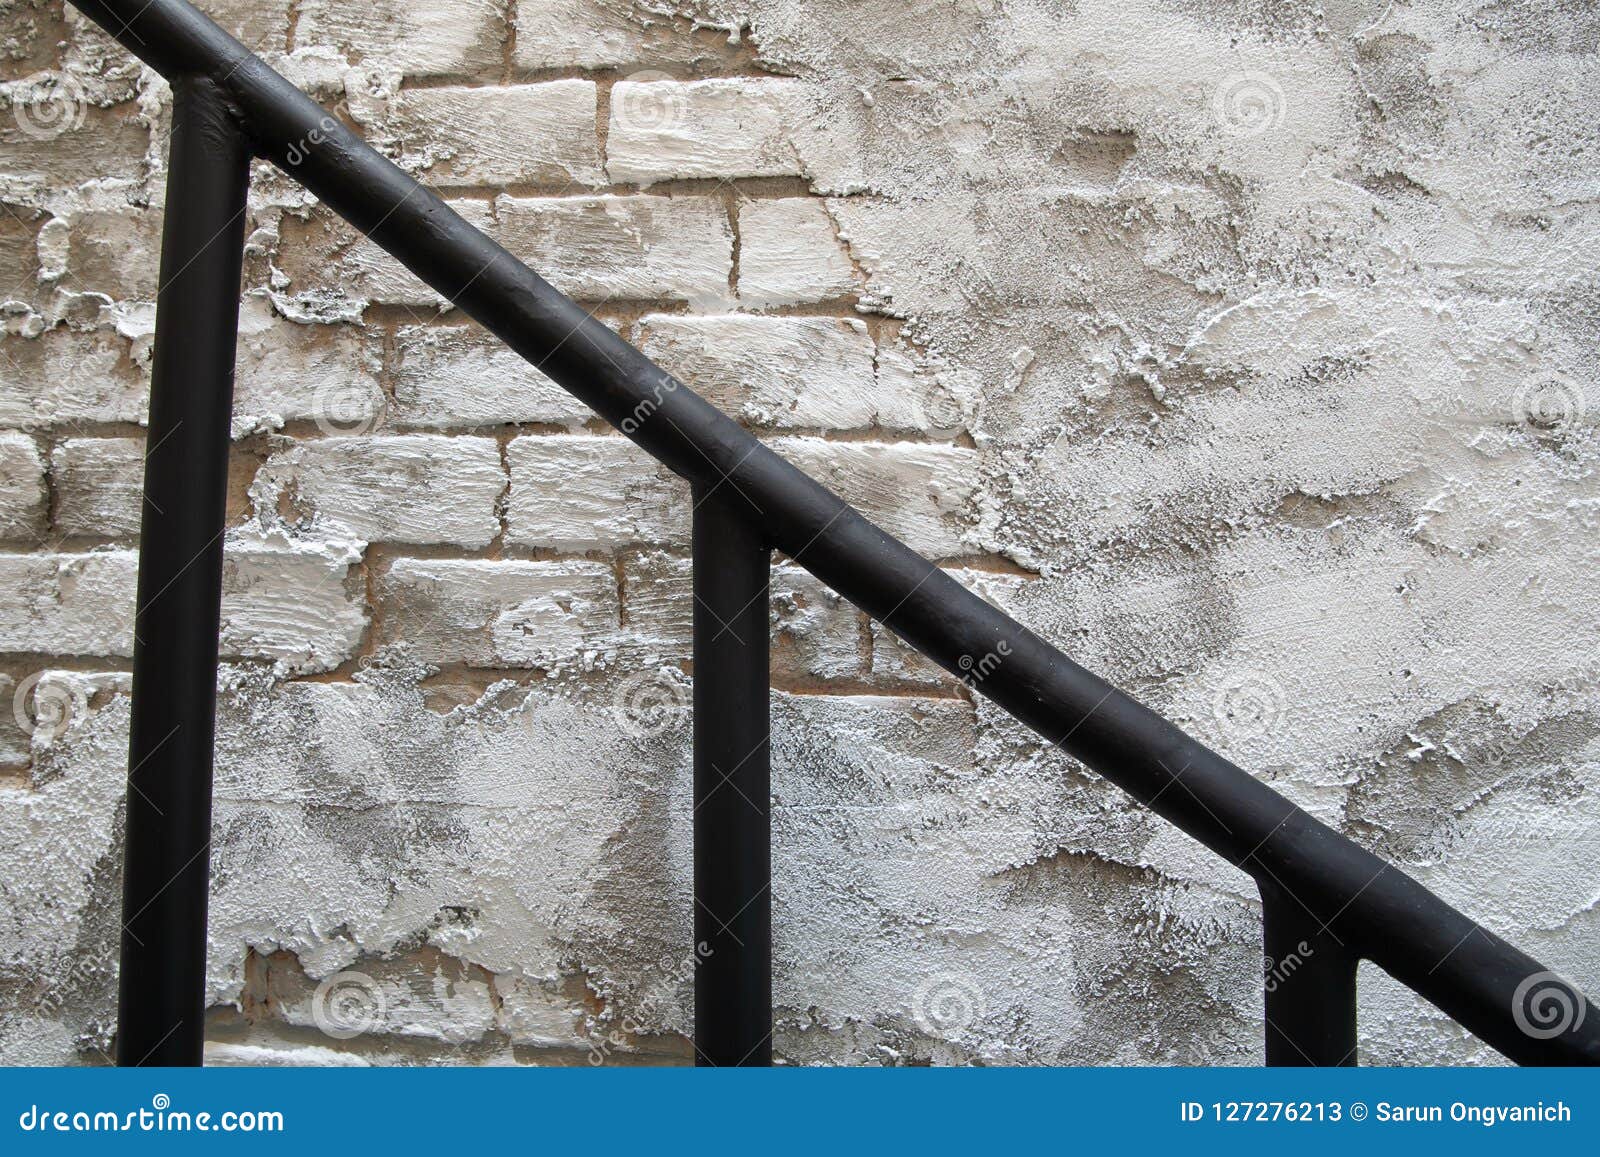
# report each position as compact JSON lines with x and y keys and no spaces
{"x":1248,"y":352}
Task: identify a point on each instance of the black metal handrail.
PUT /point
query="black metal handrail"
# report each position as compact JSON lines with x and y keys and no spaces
{"x":1326,"y":902}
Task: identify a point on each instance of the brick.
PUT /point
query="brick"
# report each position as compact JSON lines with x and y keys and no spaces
{"x":911,"y":398}
{"x":436,"y":998}
{"x":64,"y":377}
{"x":730,"y":127}
{"x":658,"y":602}
{"x":115,"y":251}
{"x":919,"y":493}
{"x":518,"y":134}
{"x":420,"y":488}
{"x":99,"y":486}
{"x":778,"y":372}
{"x":494,"y":613}
{"x":789,"y":254}
{"x":439,"y":38}
{"x":530,"y":1013}
{"x":591,"y":493}
{"x":815,"y":633}
{"x":19,"y":256}
{"x":325,"y":256}
{"x":67,"y":604}
{"x":289,"y":371}
{"x":291,"y":600}
{"x":101,"y":145}
{"x":22,"y":491}
{"x":598,"y":34}
{"x":464,"y":376}
{"x":636,"y":248}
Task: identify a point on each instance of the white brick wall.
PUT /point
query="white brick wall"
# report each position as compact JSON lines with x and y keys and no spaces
{"x":438,"y":562}
{"x":298,"y":602}
{"x":409,"y":500}
{"x":286,"y":372}
{"x":921,"y":494}
{"x":441,"y":38}
{"x":597,"y":34}
{"x":795,"y":372}
{"x":67,"y":604}
{"x":68,"y":377}
{"x":1079,"y":327}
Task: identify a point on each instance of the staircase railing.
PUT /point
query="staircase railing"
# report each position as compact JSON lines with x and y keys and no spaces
{"x":1326,"y":902}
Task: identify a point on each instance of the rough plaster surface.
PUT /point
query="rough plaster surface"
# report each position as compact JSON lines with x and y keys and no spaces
{"x":1247,"y":351}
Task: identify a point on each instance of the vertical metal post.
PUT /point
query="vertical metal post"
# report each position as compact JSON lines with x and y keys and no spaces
{"x":732,"y":784}
{"x":166,"y":863}
{"x":1310,"y":981}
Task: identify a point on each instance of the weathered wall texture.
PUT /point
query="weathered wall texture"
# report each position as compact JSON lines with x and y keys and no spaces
{"x":1247,"y":350}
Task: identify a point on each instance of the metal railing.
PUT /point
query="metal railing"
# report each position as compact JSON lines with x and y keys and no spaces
{"x":1326,"y":902}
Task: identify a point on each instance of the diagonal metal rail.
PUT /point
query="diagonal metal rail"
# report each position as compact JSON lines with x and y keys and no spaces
{"x":1327,"y":902}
